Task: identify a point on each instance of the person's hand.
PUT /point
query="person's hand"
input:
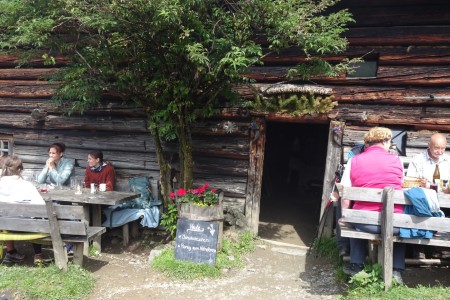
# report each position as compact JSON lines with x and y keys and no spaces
{"x":50,"y":164}
{"x":446,"y":190}
{"x":423,"y":182}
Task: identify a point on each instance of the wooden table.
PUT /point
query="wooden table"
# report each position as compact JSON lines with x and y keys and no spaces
{"x":92,"y":202}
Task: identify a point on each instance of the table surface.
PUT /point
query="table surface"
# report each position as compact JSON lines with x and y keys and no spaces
{"x":103,"y":198}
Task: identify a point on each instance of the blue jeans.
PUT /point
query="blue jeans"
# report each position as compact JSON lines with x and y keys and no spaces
{"x":358,"y":247}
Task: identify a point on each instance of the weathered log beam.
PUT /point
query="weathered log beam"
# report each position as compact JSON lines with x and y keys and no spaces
{"x":380,"y":94}
{"x":51,"y":122}
{"x":13,"y":60}
{"x":399,"y":55}
{"x":26,"y":89}
{"x":401,"y":35}
{"x":399,"y":115}
{"x":398,"y":14}
{"x":27,"y":74}
{"x":386,"y":75}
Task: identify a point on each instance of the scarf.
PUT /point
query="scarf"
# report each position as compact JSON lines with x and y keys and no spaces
{"x":99,"y":168}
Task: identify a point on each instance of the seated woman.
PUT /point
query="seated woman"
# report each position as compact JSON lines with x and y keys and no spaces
{"x":375,"y":168}
{"x":99,"y":171}
{"x":58,"y":169}
{"x":13,"y":188}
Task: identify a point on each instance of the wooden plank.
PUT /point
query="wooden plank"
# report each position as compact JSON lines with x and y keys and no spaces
{"x":96,"y":123}
{"x":374,"y":195}
{"x":41,"y":225}
{"x":27,"y":74}
{"x":333,"y":158}
{"x":402,"y":35}
{"x":386,"y":75}
{"x":27,"y":210}
{"x":387,"y":234}
{"x":255,"y":172}
{"x":58,"y":247}
{"x":385,"y":55}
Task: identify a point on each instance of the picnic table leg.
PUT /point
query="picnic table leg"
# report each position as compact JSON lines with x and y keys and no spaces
{"x":97,"y":221}
{"x":87,"y":219}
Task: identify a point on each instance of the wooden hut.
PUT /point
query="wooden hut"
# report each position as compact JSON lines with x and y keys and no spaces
{"x":403,"y":84}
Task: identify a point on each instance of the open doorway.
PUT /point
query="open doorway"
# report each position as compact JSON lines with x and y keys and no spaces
{"x":294,"y":167}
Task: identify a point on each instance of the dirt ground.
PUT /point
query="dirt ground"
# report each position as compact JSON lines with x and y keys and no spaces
{"x":273,"y":271}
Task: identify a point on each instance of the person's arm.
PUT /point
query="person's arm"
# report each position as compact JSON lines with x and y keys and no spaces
{"x":110,"y":178}
{"x":346,"y":182}
{"x":42,"y":177}
{"x":65,"y":170}
{"x":415,"y":171}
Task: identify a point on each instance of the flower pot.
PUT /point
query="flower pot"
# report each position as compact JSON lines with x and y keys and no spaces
{"x":205,"y":213}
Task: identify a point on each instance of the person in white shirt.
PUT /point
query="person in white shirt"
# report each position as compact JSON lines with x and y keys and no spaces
{"x":424,"y":164}
{"x":13,"y":188}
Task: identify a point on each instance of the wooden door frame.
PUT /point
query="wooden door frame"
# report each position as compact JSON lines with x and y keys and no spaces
{"x":255,"y":173}
{"x":333,"y":159}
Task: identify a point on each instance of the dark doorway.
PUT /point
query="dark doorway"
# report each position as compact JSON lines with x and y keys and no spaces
{"x":294,"y":167}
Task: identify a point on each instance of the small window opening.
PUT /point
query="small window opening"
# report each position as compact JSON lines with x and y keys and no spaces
{"x":5,"y":146}
{"x":363,"y":69}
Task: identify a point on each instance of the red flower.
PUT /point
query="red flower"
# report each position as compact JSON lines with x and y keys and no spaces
{"x":181,"y":192}
{"x":172,"y":195}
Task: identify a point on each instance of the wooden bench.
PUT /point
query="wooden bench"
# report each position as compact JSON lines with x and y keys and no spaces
{"x":387,"y":219}
{"x":64,"y":224}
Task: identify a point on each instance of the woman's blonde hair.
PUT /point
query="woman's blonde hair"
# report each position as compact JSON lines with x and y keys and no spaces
{"x":377,"y":135}
{"x":11,"y":165}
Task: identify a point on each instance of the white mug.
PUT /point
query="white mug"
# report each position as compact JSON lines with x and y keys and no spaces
{"x":102,"y":187}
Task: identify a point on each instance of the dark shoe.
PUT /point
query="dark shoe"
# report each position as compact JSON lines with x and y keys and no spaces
{"x":397,"y":276}
{"x":13,"y":258}
{"x":351,"y":269}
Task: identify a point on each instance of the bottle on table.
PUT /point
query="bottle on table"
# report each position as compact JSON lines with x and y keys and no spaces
{"x":437,"y":177}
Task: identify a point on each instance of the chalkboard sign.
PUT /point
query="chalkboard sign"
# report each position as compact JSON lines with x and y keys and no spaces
{"x":196,"y":241}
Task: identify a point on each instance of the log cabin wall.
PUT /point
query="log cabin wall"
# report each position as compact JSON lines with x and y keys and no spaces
{"x":30,"y":123}
{"x":409,"y":41}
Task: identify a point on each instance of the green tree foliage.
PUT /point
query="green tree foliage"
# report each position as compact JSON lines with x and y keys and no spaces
{"x":176,"y":59}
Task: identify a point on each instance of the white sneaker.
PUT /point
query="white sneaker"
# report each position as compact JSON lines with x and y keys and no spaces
{"x":398,"y":277}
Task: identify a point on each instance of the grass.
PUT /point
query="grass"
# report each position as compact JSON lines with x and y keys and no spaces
{"x":369,"y":284}
{"x":46,"y":283}
{"x":230,"y":257}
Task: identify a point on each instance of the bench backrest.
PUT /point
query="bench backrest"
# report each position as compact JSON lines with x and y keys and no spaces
{"x":388,"y":200}
{"x":33,"y":218}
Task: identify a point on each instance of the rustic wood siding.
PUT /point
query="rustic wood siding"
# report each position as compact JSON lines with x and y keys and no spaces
{"x":120,"y":131}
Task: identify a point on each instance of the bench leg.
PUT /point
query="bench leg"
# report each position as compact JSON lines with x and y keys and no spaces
{"x":134,"y":229}
{"x":97,"y":221}
{"x":88,"y":219}
{"x":78,"y":253}
{"x":125,"y":234}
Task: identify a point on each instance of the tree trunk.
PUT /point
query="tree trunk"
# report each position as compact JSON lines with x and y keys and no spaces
{"x":164,"y":167}
{"x":185,"y":151}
